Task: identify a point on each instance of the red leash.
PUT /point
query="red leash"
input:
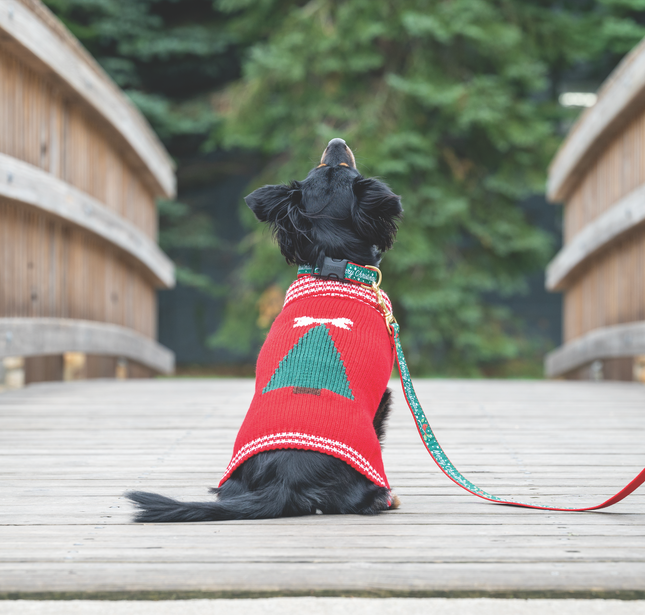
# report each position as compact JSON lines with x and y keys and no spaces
{"x":441,"y":459}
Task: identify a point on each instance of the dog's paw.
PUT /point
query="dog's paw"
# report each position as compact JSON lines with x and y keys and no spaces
{"x":395,"y":503}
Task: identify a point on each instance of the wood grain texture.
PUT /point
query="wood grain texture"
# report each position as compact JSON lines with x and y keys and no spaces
{"x":32,"y":32}
{"x":616,"y":171}
{"x":607,"y":285}
{"x":627,"y":214}
{"x":618,"y":100}
{"x":600,"y":173}
{"x":27,"y":185}
{"x":79,"y":172}
{"x":44,"y":128}
{"x":69,"y":451}
{"x":53,"y":336}
{"x":54,"y":269}
{"x":608,"y":290}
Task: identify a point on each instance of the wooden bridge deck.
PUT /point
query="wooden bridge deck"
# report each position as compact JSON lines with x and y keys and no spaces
{"x":68,"y":451}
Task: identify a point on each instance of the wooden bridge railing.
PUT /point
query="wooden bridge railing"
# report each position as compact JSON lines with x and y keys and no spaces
{"x":79,"y":172}
{"x":599,"y":174}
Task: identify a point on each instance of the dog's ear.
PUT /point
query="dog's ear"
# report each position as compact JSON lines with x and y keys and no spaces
{"x":279,"y":206}
{"x":375,"y":212}
{"x":270,"y":203}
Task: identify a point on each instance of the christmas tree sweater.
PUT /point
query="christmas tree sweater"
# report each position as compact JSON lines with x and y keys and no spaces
{"x":320,"y":377}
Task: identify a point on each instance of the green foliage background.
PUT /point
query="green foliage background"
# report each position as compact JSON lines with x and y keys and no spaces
{"x":452,"y":102}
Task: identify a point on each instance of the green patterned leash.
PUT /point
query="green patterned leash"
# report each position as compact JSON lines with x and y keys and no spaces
{"x":433,"y":446}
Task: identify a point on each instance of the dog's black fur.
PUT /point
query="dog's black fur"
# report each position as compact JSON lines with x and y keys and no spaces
{"x":338,"y":213}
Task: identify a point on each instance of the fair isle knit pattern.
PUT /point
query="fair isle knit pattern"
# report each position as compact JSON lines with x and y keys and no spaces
{"x":310,"y":286}
{"x":320,"y":377}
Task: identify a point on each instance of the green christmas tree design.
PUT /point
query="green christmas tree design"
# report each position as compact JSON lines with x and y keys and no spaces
{"x":314,"y":363}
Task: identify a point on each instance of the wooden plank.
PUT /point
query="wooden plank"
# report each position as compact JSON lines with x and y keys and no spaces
{"x":176,"y":533}
{"x":47,"y":336}
{"x":312,"y":578}
{"x":366,"y":551}
{"x":27,"y":185}
{"x":41,"y":38}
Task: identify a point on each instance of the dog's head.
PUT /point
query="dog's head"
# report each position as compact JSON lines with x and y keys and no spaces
{"x":334,"y":212}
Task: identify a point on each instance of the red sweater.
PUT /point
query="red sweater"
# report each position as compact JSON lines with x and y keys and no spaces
{"x":320,"y":377}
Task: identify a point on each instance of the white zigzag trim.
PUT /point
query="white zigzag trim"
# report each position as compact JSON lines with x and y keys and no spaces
{"x":334,"y":448}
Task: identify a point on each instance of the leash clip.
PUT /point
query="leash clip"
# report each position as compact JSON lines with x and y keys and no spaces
{"x":376,"y":287}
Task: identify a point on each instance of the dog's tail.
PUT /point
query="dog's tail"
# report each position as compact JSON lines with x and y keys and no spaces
{"x":155,"y":508}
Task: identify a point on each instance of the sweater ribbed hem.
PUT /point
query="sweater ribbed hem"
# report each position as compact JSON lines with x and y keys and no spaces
{"x":304,"y":442}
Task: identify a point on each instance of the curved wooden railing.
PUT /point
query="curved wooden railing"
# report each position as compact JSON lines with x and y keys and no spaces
{"x":626,"y":215}
{"x":56,"y":336}
{"x":24,"y":184}
{"x":599,"y":173}
{"x":79,"y":172}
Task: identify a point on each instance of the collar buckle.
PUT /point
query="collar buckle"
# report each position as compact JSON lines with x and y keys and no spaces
{"x":334,"y":268}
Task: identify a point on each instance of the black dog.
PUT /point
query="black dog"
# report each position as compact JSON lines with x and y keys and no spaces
{"x":336,"y":213}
